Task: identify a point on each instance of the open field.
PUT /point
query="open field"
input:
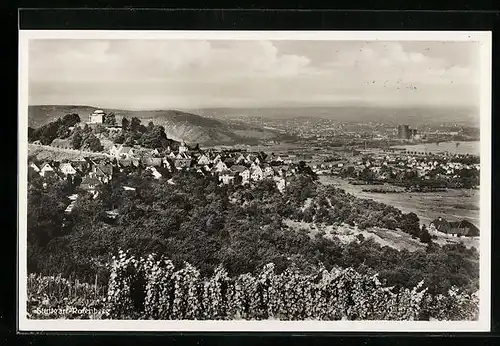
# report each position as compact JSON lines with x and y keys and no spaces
{"x":385,"y":237}
{"x":395,"y":239}
{"x":453,"y":204}
{"x":46,"y":152}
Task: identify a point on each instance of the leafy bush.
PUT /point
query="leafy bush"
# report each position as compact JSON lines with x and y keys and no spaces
{"x":195,"y":221}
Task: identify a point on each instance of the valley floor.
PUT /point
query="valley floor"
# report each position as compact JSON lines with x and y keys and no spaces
{"x":453,"y":204}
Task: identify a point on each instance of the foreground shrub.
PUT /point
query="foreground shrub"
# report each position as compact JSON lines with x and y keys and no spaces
{"x":325,"y":295}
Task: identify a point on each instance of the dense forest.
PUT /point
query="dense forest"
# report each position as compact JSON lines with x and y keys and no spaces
{"x":195,"y":220}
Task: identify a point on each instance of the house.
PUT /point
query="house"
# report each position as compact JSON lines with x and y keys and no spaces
{"x":203,"y":160}
{"x":124,"y":163}
{"x":80,"y":164}
{"x":271,"y":158}
{"x":238,"y":169}
{"x":152,"y":161}
{"x":462,"y":228}
{"x":67,"y":168}
{"x":182,"y":156}
{"x":228,"y":161}
{"x":47,"y":170}
{"x":35,"y":167}
{"x":227,"y":177}
{"x":217,"y":159}
{"x":250,"y":157}
{"x":241,"y":159}
{"x":220,"y":166}
{"x":245,"y":176}
{"x":90,"y":183}
{"x":121,"y":151}
{"x":256,"y":173}
{"x":113,"y":151}
{"x":181,"y":163}
{"x":166,"y":164}
{"x":154,"y":152}
{"x":103,"y":172}
{"x":183,"y":148}
{"x":268,"y":172}
{"x":172,"y":155}
{"x":154,"y":172}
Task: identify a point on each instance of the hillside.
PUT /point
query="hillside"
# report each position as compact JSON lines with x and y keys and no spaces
{"x":49,"y":153}
{"x":180,"y":126}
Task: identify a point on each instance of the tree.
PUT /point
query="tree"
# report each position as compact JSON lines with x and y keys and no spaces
{"x":63,"y":131}
{"x":129,"y":141}
{"x":48,"y":132}
{"x":31,"y":132}
{"x":134,"y":124}
{"x":155,"y":138}
{"x":77,"y":140}
{"x":151,"y":126}
{"x":71,"y":119}
{"x":125,"y":124}
{"x":367,"y":175}
{"x":425,"y":237}
{"x":92,"y":143}
{"x":302,"y":168}
{"x":120,"y":138}
{"x":46,"y":211}
{"x":87,"y":129}
{"x":109,"y":119}
{"x":410,"y":223}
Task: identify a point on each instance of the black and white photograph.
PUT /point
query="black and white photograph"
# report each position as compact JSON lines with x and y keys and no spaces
{"x":254,"y":181}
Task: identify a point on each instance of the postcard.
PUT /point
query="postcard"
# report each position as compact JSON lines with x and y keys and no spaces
{"x":305,"y":181}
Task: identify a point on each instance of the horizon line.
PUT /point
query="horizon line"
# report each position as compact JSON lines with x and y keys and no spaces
{"x":340,"y":105}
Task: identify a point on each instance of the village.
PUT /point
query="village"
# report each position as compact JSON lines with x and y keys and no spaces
{"x":246,"y":168}
{"x":389,"y":167}
{"x":229,"y":167}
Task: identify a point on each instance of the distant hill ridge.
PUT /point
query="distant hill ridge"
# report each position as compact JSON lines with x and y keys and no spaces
{"x":179,"y":125}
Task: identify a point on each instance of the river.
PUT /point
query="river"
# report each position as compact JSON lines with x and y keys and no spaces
{"x":472,"y":148}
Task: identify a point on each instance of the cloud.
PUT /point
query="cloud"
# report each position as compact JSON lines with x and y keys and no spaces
{"x":152,"y":59}
{"x":196,"y":73}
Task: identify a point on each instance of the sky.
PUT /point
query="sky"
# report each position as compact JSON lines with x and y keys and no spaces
{"x":187,"y":74}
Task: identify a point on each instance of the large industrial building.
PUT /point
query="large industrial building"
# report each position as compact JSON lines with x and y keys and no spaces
{"x":405,"y":132}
